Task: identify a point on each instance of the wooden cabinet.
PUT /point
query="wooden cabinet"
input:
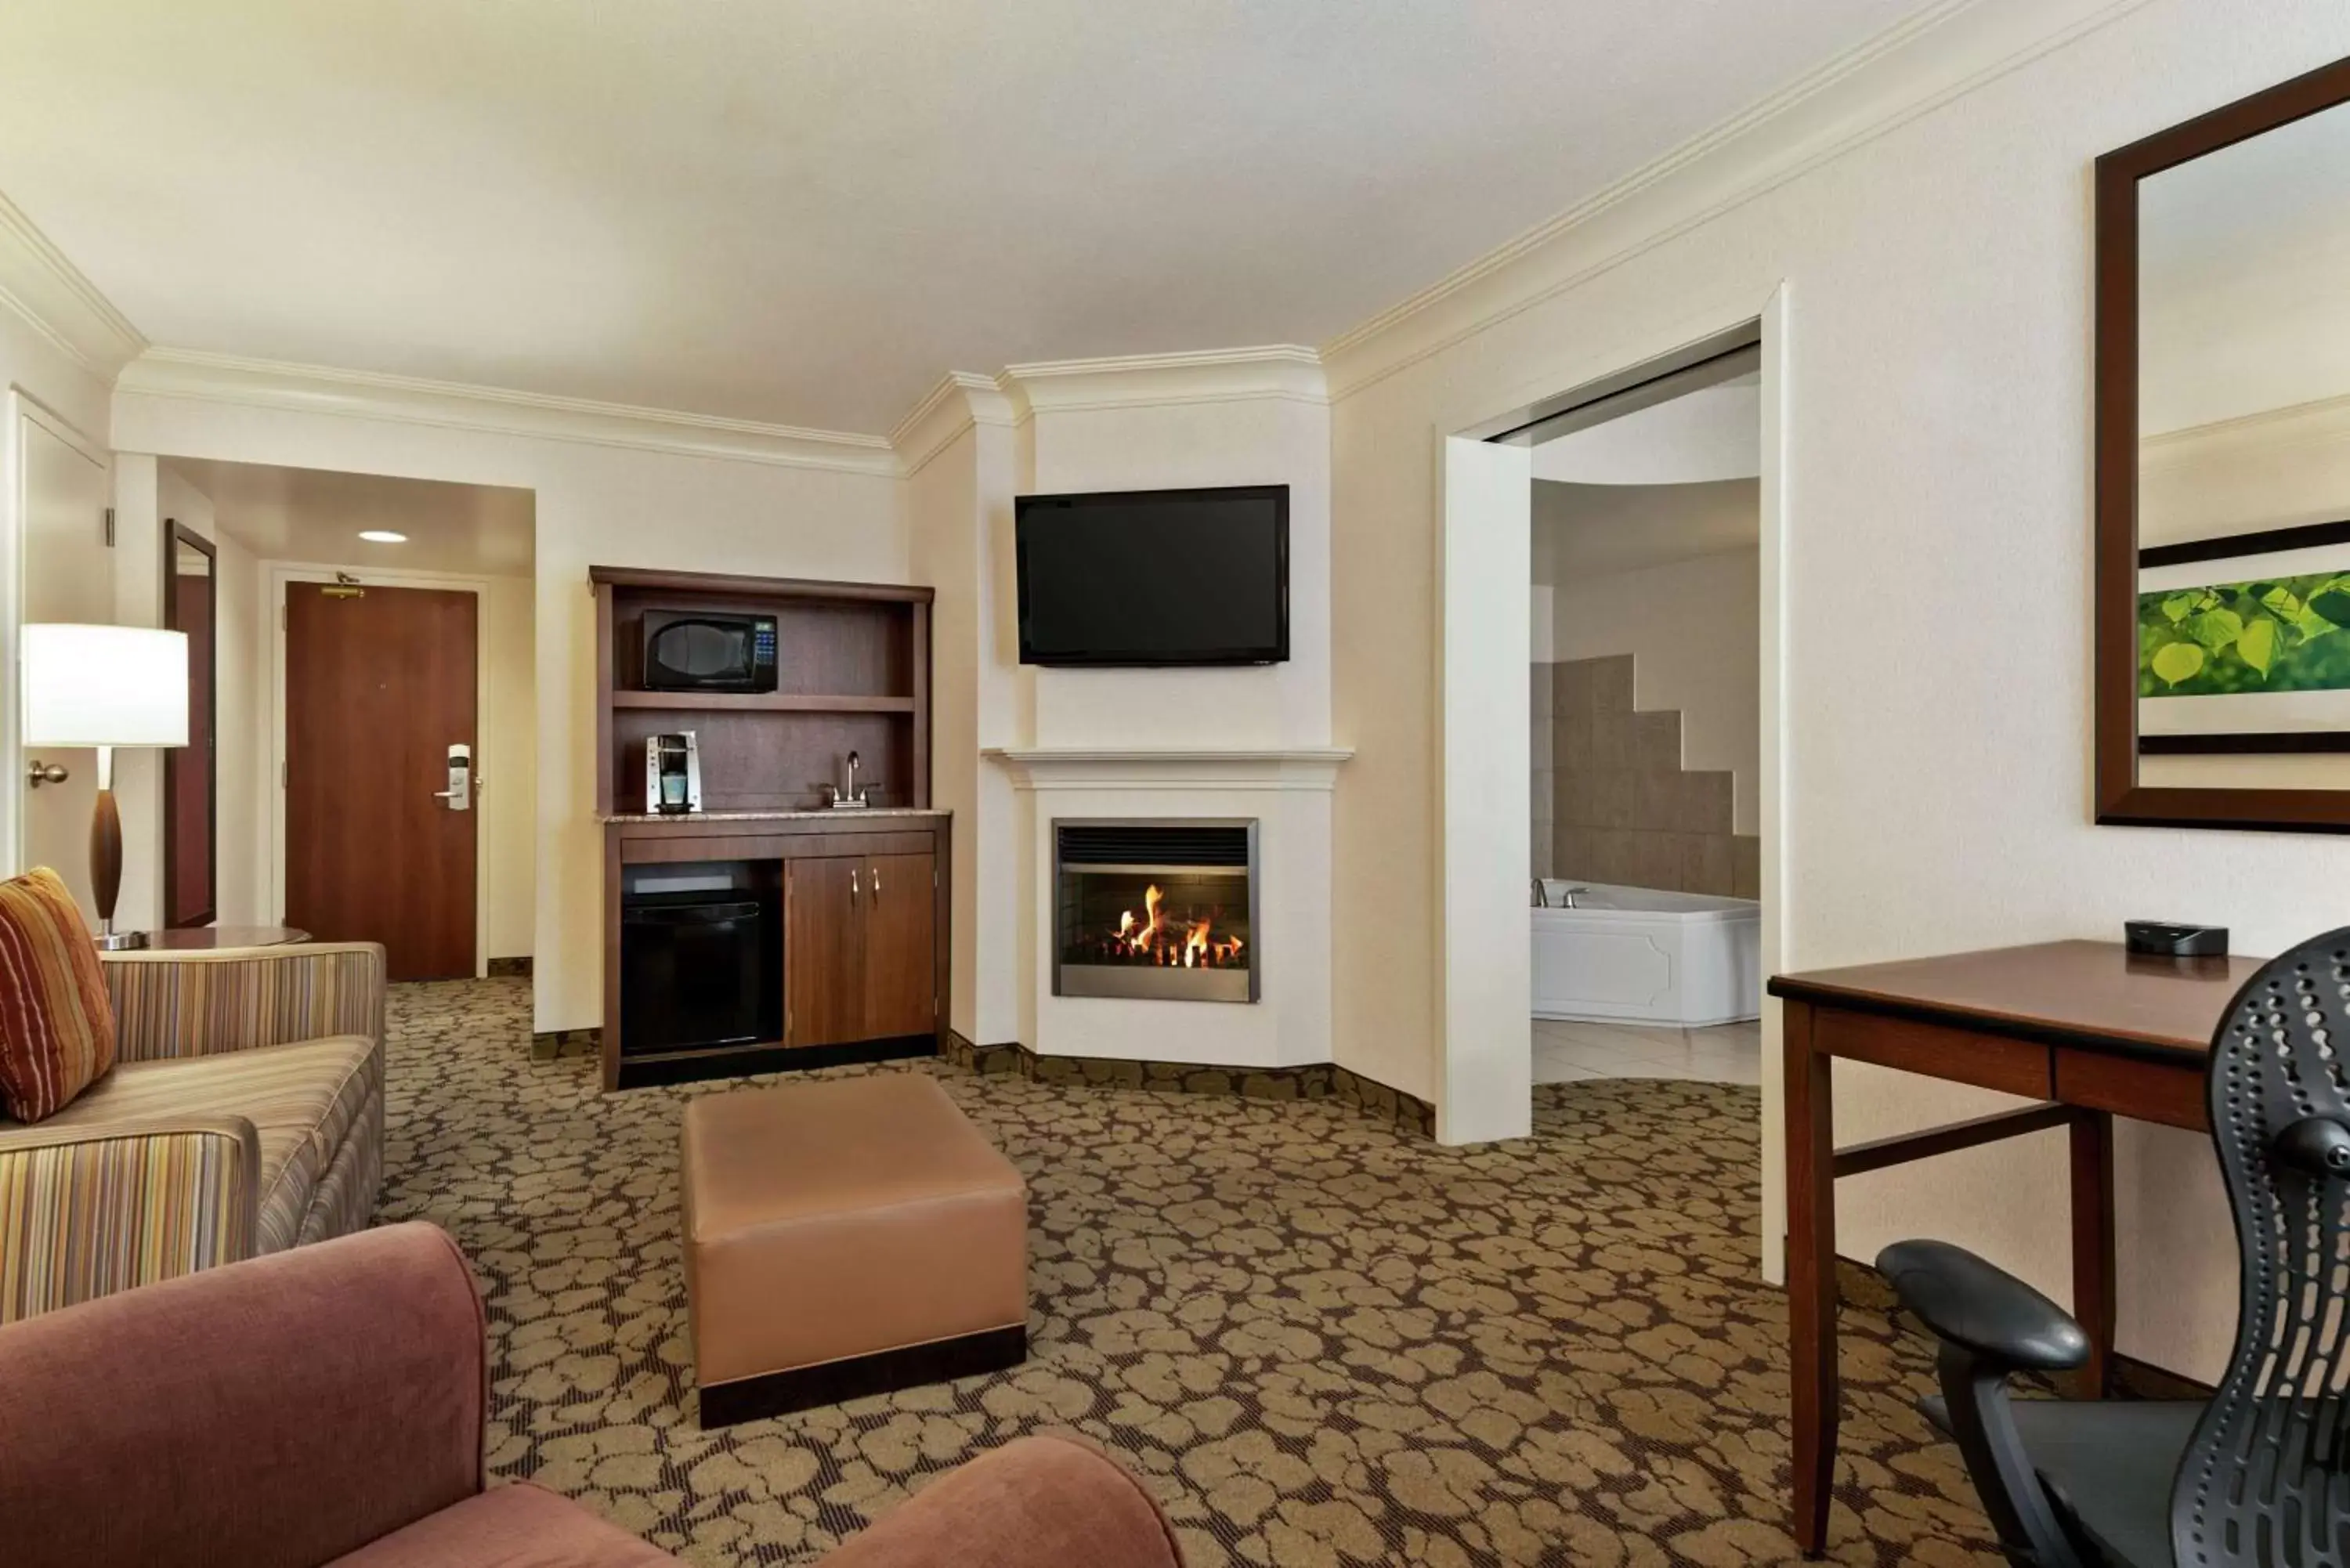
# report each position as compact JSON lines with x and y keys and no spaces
{"x":856,"y":929}
{"x":823,"y":998}
{"x":857,"y":940}
{"x":901,"y":943}
{"x":860,"y":947}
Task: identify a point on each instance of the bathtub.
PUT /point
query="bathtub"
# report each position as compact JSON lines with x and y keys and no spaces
{"x":1645,"y":956}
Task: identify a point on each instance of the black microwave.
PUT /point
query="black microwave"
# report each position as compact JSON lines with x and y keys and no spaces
{"x":703,"y":650}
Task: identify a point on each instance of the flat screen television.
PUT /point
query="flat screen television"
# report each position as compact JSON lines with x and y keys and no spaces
{"x":1155,"y":577}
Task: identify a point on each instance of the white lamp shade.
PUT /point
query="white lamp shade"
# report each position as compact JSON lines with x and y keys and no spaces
{"x":105,"y":686}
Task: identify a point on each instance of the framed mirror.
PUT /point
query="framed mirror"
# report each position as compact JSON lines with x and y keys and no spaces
{"x":2222,"y":449}
{"x":190,"y":772}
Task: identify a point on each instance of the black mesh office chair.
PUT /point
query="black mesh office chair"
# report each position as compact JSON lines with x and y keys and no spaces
{"x":2257,"y":1476}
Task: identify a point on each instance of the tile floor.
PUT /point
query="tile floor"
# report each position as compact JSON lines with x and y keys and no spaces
{"x":1726,"y":1053}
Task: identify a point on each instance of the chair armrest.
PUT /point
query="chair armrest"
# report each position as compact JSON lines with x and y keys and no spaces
{"x":171,"y":1003}
{"x":277,"y":1413}
{"x":85,"y":1211}
{"x":1041,"y":1503}
{"x":1972,"y":1304}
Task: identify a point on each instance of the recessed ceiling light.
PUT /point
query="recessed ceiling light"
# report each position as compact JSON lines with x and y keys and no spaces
{"x":382,"y":536}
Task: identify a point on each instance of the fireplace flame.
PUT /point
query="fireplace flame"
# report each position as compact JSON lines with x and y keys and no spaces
{"x":1159,"y":935}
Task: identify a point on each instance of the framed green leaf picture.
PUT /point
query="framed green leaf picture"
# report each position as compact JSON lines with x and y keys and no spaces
{"x":2244,"y":643}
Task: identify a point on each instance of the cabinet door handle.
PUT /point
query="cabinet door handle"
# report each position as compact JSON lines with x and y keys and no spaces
{"x":876,"y":883}
{"x":852,"y":883}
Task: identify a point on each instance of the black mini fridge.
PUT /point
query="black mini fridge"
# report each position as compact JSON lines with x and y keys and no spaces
{"x":702,"y":955}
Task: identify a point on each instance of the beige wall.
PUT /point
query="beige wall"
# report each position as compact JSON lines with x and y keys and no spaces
{"x":957,"y":498}
{"x":1693,"y":628}
{"x":1936,"y":517}
{"x":32,"y":370}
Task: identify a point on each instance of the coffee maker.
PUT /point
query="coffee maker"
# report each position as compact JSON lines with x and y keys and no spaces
{"x":673,"y":774}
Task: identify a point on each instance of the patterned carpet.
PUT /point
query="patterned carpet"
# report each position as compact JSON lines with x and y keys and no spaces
{"x":1325,"y":1342}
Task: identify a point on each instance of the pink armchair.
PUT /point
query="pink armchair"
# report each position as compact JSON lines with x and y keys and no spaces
{"x":326,"y":1405}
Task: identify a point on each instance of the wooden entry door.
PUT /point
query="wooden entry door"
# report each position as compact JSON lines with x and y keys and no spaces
{"x":378,"y":685}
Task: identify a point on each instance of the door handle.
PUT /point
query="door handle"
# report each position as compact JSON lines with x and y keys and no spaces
{"x":852,"y":883}
{"x":877,"y":884}
{"x":459,"y":792}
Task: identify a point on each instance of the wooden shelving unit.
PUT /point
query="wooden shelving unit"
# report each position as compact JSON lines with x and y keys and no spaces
{"x":853,"y":664}
{"x":861,"y":940}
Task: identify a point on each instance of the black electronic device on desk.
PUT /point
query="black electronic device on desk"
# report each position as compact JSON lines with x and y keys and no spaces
{"x":2170,"y":938}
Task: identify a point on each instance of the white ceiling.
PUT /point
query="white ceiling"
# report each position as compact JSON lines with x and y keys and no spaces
{"x":314,"y":515}
{"x":805,"y":213}
{"x":1598,"y":530}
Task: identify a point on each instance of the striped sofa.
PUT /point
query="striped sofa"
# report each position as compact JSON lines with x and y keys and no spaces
{"x":244,"y":1116}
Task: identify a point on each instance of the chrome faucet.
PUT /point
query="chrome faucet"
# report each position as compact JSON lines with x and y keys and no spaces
{"x":836,"y":797}
{"x":1542,"y":895}
{"x":1567,"y":895}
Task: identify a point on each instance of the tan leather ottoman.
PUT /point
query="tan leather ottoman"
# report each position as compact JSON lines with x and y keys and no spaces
{"x":846,"y":1237}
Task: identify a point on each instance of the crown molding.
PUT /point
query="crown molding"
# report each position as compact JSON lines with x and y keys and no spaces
{"x":2323,"y":421}
{"x":1941,"y":53}
{"x":960,"y":400}
{"x":1286,"y":372}
{"x":452,"y":405}
{"x":39,"y":284}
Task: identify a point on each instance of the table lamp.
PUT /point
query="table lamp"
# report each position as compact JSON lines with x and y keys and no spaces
{"x":105,"y":686}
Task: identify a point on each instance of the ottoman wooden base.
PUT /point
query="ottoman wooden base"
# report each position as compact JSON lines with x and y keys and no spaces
{"x":883,"y":1372}
{"x":846,"y":1237}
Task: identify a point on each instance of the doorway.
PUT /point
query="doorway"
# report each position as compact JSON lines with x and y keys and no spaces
{"x":192,"y":772}
{"x":363,"y":625}
{"x":1646,"y":730}
{"x":1484,"y":971}
{"x":381,"y":725}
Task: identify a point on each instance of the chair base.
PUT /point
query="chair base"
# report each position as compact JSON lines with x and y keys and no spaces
{"x":882,"y":1372}
{"x":2108,"y":1463}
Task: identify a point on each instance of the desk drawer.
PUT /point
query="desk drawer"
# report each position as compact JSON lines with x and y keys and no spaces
{"x":2132,"y":1086}
{"x":1955,"y":1056}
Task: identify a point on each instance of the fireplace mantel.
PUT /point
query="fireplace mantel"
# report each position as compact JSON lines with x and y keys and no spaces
{"x":1289,"y":793}
{"x":1288,"y":767}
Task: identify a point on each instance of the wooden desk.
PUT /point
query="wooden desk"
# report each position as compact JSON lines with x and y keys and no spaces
{"x":2084,"y":1028}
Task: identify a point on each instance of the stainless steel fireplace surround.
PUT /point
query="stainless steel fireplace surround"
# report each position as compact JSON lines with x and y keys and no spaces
{"x":1161,"y":910}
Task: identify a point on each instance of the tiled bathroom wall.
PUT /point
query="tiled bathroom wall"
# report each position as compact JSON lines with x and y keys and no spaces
{"x":1611,"y":801}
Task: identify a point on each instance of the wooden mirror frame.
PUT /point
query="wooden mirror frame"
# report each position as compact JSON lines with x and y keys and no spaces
{"x":176,"y":535}
{"x":2120,"y":798}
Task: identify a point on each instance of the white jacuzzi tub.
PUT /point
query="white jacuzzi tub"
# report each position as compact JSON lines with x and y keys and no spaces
{"x":1647,"y":956}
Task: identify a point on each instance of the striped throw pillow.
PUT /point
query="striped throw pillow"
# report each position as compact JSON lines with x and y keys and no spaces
{"x":56,"y":1030}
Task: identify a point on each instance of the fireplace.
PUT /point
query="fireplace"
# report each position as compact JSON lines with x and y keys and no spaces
{"x":1161,"y":910}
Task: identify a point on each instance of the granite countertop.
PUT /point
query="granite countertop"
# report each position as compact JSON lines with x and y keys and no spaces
{"x":854,"y":812}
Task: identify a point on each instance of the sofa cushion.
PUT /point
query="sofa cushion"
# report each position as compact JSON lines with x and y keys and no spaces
{"x":56,"y":1028}
{"x":302,"y":1100}
{"x":520,"y":1526}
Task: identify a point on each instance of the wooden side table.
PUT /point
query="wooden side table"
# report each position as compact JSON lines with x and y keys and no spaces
{"x":200,"y":938}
